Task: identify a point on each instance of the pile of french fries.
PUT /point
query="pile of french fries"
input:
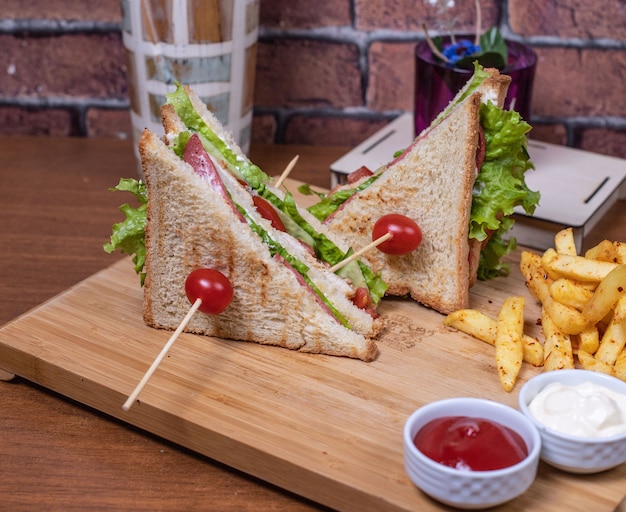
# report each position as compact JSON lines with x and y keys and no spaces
{"x":583,"y":312}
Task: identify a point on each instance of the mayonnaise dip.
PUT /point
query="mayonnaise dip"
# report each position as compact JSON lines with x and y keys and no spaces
{"x":584,"y":410}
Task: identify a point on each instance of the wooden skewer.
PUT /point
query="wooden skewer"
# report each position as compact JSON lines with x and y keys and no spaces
{"x":133,"y":396}
{"x":286,"y":172}
{"x":361,"y":251}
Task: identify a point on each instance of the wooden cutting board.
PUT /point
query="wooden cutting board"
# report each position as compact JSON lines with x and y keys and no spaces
{"x":326,"y":428}
{"x":323,"y":427}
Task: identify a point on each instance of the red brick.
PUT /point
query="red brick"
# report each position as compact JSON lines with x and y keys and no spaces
{"x":100,"y":10}
{"x":411,"y":14}
{"x":568,"y":18}
{"x":606,"y":142}
{"x":26,"y":121}
{"x":553,"y":133}
{"x":297,"y":73}
{"x":264,"y":129}
{"x":289,"y":14}
{"x":75,"y":65}
{"x":109,"y":123}
{"x":391,"y":76}
{"x":572,"y":82}
{"x":330,"y":131}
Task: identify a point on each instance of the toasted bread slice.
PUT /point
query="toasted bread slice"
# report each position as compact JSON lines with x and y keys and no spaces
{"x":189,"y":226}
{"x":431,"y":182}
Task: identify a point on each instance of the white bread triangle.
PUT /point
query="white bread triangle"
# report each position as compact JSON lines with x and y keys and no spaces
{"x":431,"y":182}
{"x":191,"y":226}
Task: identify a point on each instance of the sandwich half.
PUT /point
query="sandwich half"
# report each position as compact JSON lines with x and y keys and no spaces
{"x":459,"y":181}
{"x":284,"y":295}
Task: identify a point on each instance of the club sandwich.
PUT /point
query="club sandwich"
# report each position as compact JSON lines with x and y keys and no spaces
{"x":207,"y":208}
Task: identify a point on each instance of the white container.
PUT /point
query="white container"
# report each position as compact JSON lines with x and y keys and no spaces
{"x":570,"y":453}
{"x":471,"y":489}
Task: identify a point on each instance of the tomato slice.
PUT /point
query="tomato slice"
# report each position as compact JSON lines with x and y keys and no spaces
{"x":363,"y":300}
{"x":361,"y":172}
{"x":268,"y":212}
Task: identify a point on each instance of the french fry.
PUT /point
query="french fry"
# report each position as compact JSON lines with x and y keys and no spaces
{"x":588,"y":362}
{"x":546,"y":258}
{"x":619,"y":313}
{"x":567,"y":318}
{"x":620,"y":365}
{"x":614,"y":338}
{"x":620,"y":252}
{"x":577,"y":268}
{"x":530,"y":266}
{"x":483,"y":328}
{"x":589,"y":340}
{"x":557,"y":347}
{"x":570,"y":293}
{"x":509,"y":331}
{"x":564,"y":242}
{"x":608,"y":292}
{"x":604,"y":251}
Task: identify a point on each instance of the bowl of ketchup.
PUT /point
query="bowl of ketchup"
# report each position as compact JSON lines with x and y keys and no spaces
{"x":471,"y":453}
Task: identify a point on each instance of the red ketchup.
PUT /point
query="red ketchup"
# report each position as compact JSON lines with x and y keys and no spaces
{"x":470,"y":444}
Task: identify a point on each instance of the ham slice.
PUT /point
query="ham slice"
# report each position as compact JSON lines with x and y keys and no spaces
{"x":196,"y":156}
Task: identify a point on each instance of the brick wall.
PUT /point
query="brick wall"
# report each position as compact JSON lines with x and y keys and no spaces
{"x":328,"y":72}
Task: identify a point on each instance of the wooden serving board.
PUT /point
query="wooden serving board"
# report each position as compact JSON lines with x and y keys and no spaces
{"x":324,"y":427}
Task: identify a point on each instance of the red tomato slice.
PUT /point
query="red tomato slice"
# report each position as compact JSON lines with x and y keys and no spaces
{"x":268,"y":212}
{"x":407,"y":235}
{"x":361,"y":172}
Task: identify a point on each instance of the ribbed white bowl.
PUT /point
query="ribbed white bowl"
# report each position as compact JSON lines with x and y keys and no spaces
{"x":471,"y":489}
{"x":566,"y":452}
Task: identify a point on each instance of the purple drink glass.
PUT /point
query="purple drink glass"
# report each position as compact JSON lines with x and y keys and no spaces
{"x":436,"y":84}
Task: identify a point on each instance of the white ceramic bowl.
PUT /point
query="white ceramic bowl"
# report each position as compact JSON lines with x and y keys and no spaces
{"x":471,"y":489}
{"x":570,"y":453}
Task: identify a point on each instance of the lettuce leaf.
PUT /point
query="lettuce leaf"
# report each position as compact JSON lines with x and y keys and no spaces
{"x":212,"y":143}
{"x":327,"y":251}
{"x":128,"y":236}
{"x":329,"y":204}
{"x":500,"y":187}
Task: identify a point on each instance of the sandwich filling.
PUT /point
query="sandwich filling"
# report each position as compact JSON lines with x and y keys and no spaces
{"x":195,"y":155}
{"x":213,"y":160}
{"x":325,"y":250}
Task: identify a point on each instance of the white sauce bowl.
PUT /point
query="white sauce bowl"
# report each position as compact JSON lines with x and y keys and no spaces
{"x":567,"y":452}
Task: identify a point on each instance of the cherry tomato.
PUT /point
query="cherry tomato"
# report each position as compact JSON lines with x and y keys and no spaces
{"x":361,"y":172}
{"x":407,"y":235}
{"x":212,"y":287}
{"x":268,"y":212}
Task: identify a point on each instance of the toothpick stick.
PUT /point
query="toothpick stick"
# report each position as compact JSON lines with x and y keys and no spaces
{"x":286,"y":172}
{"x":355,"y":255}
{"x":133,"y":396}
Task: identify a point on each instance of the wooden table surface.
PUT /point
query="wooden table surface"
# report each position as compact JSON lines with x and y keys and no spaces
{"x":55,"y":214}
